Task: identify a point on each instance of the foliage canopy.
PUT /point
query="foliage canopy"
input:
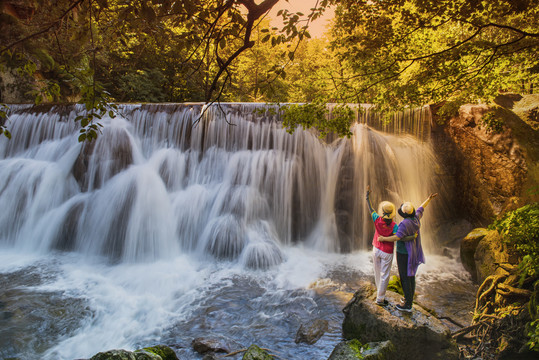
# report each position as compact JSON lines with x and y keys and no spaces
{"x":415,"y":52}
{"x":393,"y":53}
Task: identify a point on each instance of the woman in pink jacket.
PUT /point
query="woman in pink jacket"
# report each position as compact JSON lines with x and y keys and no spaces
{"x":382,"y":254}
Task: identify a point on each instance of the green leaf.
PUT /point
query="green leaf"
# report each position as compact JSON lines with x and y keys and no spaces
{"x":82,"y":137}
{"x":291,"y":55}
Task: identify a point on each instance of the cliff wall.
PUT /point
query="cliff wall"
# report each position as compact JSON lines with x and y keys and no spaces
{"x":491,"y":154}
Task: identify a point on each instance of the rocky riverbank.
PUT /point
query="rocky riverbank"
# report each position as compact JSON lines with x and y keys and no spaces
{"x":490,"y":154}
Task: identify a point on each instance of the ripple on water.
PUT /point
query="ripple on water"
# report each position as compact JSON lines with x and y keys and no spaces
{"x":64,"y":307}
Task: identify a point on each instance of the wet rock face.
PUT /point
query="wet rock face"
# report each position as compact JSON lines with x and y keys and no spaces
{"x":468,"y":245}
{"x":312,"y":331}
{"x":490,"y":250}
{"x":416,"y":335}
{"x":491,"y":166}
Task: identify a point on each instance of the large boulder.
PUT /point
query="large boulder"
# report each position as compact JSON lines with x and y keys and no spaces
{"x":416,"y":335}
{"x":468,"y":245}
{"x":481,"y":251}
{"x":489,"y":252}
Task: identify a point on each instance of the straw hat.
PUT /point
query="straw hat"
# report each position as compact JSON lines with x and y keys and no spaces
{"x":387,"y":210}
{"x":407,"y":210}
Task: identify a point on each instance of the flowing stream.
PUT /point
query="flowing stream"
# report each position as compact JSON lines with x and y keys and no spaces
{"x":173,"y":226}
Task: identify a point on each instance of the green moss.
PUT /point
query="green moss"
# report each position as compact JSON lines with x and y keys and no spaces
{"x":163,"y":351}
{"x":520,"y":232}
{"x":357,"y":347}
{"x":256,"y":353}
{"x":395,"y":285}
{"x":114,"y":355}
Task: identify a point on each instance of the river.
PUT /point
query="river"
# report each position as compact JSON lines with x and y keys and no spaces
{"x":161,"y":232}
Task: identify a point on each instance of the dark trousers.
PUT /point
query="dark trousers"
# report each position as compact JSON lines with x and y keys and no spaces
{"x":407,"y":282}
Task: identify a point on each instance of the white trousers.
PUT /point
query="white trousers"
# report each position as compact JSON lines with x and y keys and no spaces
{"x":382,"y":268}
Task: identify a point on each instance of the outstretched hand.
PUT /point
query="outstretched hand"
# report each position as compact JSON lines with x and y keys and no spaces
{"x":433,"y":195}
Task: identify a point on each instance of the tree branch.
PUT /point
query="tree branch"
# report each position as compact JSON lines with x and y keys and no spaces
{"x":47,"y":29}
{"x":254,"y":12}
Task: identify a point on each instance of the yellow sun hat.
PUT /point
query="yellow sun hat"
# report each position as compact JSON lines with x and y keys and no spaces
{"x":386,"y":210}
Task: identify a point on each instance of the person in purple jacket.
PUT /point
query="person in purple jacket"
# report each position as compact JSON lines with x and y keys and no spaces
{"x":409,"y":253}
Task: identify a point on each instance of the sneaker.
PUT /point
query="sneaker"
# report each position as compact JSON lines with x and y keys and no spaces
{"x":403,"y":308}
{"x":382,"y":303}
{"x":402,"y":301}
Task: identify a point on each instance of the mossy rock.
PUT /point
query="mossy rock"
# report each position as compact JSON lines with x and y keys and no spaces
{"x":256,"y":353}
{"x":353,"y":349}
{"x":347,"y":350}
{"x":146,"y":355}
{"x":395,"y":285}
{"x":159,"y":352}
{"x":165,"y":352}
{"x":489,"y":252}
{"x":114,"y":355}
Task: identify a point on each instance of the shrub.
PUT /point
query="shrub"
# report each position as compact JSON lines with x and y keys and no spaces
{"x":520,"y":231}
{"x":492,"y":122}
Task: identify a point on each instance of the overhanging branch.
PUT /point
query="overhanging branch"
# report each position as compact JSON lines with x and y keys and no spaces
{"x":46,"y":29}
{"x":254,"y":12}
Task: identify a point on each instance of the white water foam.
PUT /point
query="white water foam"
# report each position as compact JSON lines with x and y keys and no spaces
{"x":168,"y":232}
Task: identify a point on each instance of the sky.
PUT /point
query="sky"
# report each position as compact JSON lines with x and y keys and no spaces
{"x":316,"y":28}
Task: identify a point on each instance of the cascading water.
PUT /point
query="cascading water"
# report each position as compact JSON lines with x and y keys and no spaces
{"x":164,"y":204}
{"x":235,"y":184}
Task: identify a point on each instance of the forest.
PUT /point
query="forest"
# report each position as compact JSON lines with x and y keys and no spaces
{"x":394,"y":54}
{"x":391,"y":53}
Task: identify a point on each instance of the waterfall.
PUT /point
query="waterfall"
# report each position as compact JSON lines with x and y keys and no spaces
{"x":162,"y":180}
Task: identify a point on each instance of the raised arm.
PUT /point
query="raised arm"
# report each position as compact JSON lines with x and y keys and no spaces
{"x":368,"y":199}
{"x":426,"y":202}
